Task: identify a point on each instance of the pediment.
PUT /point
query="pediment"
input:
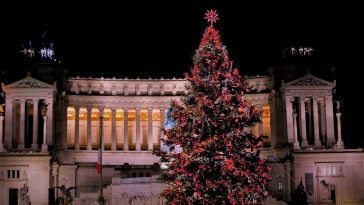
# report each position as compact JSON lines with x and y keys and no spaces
{"x":309,"y":80}
{"x":28,"y":82}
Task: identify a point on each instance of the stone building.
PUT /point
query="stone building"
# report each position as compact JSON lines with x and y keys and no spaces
{"x":52,"y":123}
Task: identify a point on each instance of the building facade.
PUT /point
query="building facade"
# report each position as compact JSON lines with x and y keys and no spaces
{"x":50,"y":135}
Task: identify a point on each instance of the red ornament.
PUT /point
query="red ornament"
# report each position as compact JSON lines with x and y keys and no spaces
{"x":240,"y":109}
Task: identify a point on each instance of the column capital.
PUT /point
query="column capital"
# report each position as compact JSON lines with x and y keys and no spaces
{"x":77,"y":107}
{"x":22,"y":100}
{"x":137,"y":109}
{"x":101,"y":109}
{"x":150,"y":109}
{"x":314,"y":98}
{"x":302,"y":98}
{"x":113,"y":109}
{"x":35,"y":99}
{"x":89,"y":108}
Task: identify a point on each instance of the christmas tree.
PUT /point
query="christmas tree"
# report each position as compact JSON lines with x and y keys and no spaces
{"x":219,"y":160}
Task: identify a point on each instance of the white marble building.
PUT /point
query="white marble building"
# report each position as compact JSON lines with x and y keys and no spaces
{"x":60,"y":147}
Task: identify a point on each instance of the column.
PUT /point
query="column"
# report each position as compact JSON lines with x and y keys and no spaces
{"x":329,"y":120}
{"x":162,"y":116}
{"x":77,"y":127}
{"x":49,"y":102}
{"x":89,"y":136}
{"x":309,"y":120}
{"x":273,"y":117}
{"x":35,"y":123}
{"x":22,"y":124}
{"x":137,"y":120}
{"x":290,"y":134}
{"x":113,"y":129}
{"x":340,"y":143}
{"x":150,"y":129}
{"x":101,"y":112}
{"x":296,"y":144}
{"x":1,"y":133}
{"x":315,"y":122}
{"x":126,"y":125}
{"x":8,"y":122}
{"x":322,"y":120}
{"x":44,"y":145}
{"x":303,"y":120}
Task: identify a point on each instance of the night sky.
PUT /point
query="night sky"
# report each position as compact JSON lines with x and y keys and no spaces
{"x":154,"y":39}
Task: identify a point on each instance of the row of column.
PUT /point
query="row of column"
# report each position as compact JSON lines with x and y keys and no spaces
{"x":323,"y":121}
{"x":113,"y":128}
{"x":10,"y":122}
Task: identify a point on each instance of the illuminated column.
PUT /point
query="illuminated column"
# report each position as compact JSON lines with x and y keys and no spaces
{"x":126,"y":145}
{"x":329,"y":119}
{"x":309,"y":119}
{"x":322,"y":121}
{"x":315,"y":122}
{"x":22,"y":124}
{"x":340,"y":143}
{"x":162,"y":116}
{"x":290,"y":134}
{"x":44,"y":145}
{"x":89,"y":138}
{"x":150,"y":129}
{"x":77,"y":128}
{"x":8,"y":122}
{"x":260,"y":124}
{"x":303,"y":120}
{"x":296,"y":144}
{"x":1,"y":133}
{"x":49,"y":102}
{"x":35,"y":123}
{"x":113,"y":129}
{"x":137,"y":120}
{"x":101,"y":112}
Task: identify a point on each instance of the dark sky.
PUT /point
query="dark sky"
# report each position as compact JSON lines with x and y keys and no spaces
{"x":158,"y":38}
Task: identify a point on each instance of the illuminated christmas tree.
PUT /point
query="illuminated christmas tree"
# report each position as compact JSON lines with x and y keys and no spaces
{"x":219,"y":161}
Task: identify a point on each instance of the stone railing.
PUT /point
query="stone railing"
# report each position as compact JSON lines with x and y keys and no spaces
{"x":173,"y":86}
{"x":114,"y":86}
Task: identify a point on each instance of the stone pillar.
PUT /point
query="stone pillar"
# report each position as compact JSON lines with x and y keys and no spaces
{"x":303,"y":120}
{"x":290,"y":134}
{"x":340,"y":143}
{"x":126,"y":125}
{"x":101,"y":112}
{"x":296,"y":144}
{"x":22,"y":124}
{"x":162,"y":116}
{"x":44,"y":145}
{"x":137,"y":120}
{"x":315,"y":122}
{"x":330,"y":130}
{"x":310,"y":120}
{"x":8,"y":122}
{"x":77,"y":127}
{"x":35,"y":123}
{"x":113,"y":129}
{"x":273,"y":119}
{"x":322,"y":121}
{"x":50,"y":120}
{"x":1,"y":133}
{"x":150,"y":129}
{"x":89,"y":136}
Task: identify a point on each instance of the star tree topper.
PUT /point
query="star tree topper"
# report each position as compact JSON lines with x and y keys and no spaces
{"x":211,"y":16}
